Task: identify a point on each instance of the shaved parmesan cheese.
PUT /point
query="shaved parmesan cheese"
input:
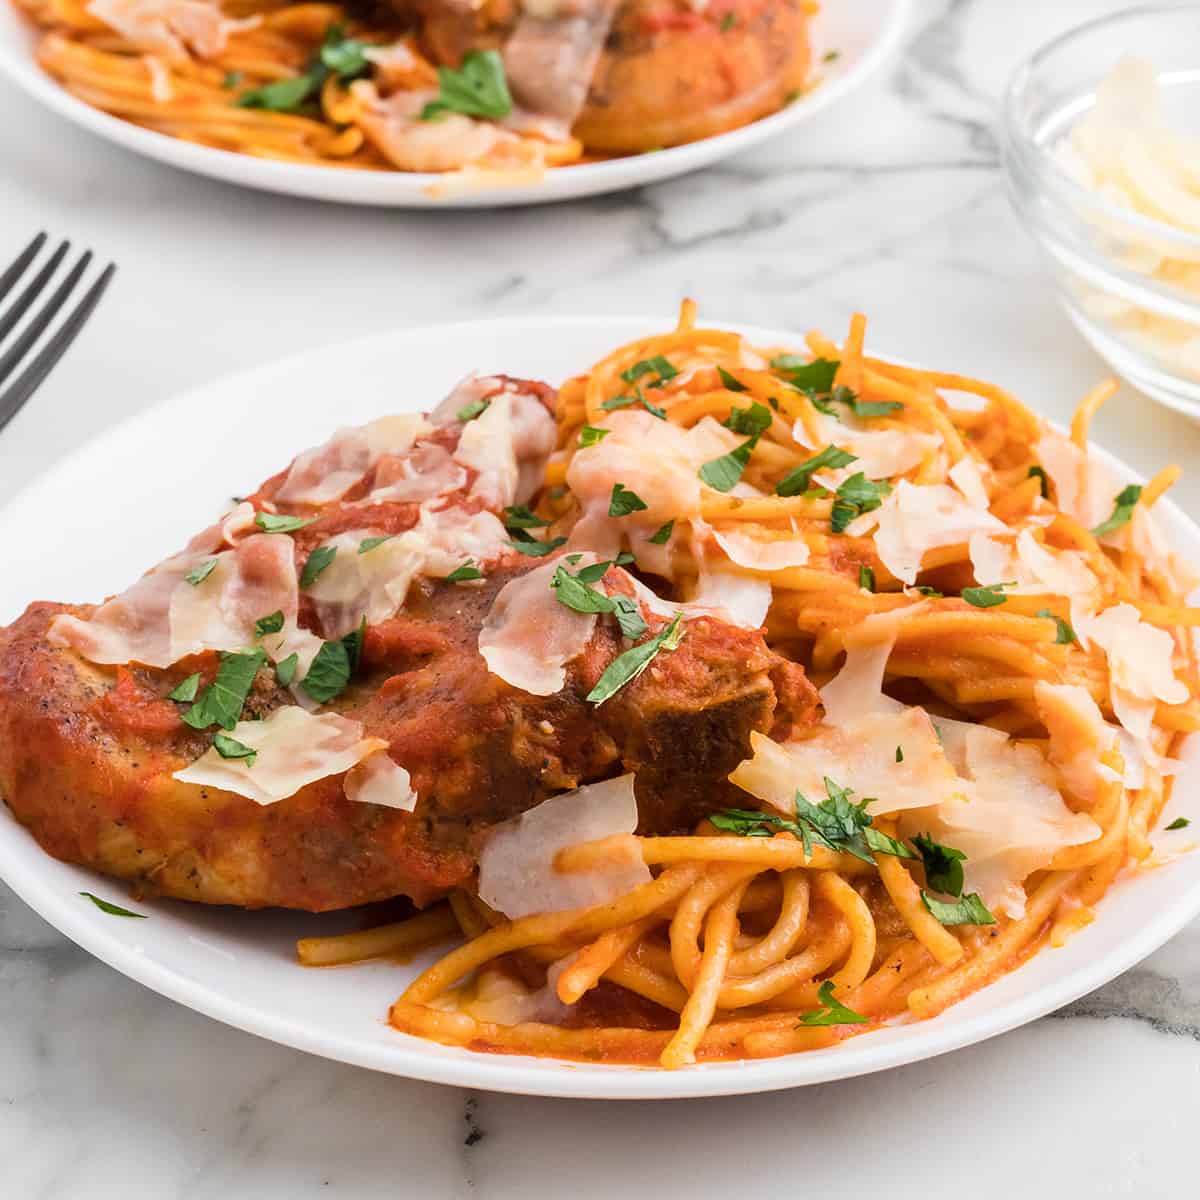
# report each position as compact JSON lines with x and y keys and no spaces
{"x":328,"y":472}
{"x":967,"y":476}
{"x":858,"y":686}
{"x":379,"y":780}
{"x":743,"y":601}
{"x":294,"y":748}
{"x":427,"y":472}
{"x":528,"y":637}
{"x":1084,"y":487}
{"x":915,"y":519}
{"x":762,"y":555}
{"x":239,"y":523}
{"x":1034,"y":568}
{"x":1009,"y":821}
{"x":487,"y":447}
{"x":1078,"y":737}
{"x":517,"y":875}
{"x":881,"y":453}
{"x":171,"y":27}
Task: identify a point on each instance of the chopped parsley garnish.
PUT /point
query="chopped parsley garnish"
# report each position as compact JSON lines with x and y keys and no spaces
{"x":538,"y":549}
{"x":832,"y":1011}
{"x":197,"y":575}
{"x":836,"y":823}
{"x":863,"y":409}
{"x":338,"y":56}
{"x":231,"y":80}
{"x":1178,"y":823}
{"x":589,"y":435}
{"x":987,"y":597}
{"x":576,"y":593}
{"x":278,"y":523}
{"x":831,"y":56}
{"x":628,"y":666}
{"x":797,"y":480}
{"x":369,"y":544}
{"x":317,"y":561}
{"x":520,"y":516}
{"x":478,"y":89}
{"x":1066,"y":634}
{"x":475,"y":409}
{"x":113,"y":910}
{"x":970,"y":910}
{"x":228,"y":747}
{"x":624,"y":501}
{"x":855,"y":496}
{"x":625,"y":400}
{"x":722,"y":474}
{"x":728,"y":22}
{"x":658,"y":366}
{"x":271,"y":623}
{"x":814,"y":378}
{"x":866,"y":578}
{"x":943,"y":865}
{"x":464,"y":573}
{"x":731,"y":382}
{"x":750,"y":422}
{"x":222,"y":701}
{"x":1123,"y":507}
{"x":925,"y":590}
{"x":1039,"y":474}
{"x":185,"y":691}
{"x":285,"y":670}
{"x":662,"y":535}
{"x":899,"y":754}
{"x":334,"y":666}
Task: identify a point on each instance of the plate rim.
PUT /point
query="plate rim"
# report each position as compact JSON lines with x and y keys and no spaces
{"x":409,"y":1056}
{"x":409,"y":189}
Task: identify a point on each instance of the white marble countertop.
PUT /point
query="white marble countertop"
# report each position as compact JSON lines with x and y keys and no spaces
{"x":894,"y":203}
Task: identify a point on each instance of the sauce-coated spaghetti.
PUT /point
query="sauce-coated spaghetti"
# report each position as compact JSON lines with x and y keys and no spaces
{"x":1040,"y":672}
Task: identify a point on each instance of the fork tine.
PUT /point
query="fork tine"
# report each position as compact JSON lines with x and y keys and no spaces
{"x":13,"y":400}
{"x":17,"y":269}
{"x":30,"y":334}
{"x":18,"y":308}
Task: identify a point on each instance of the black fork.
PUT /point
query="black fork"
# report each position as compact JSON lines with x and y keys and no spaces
{"x":15,"y":352}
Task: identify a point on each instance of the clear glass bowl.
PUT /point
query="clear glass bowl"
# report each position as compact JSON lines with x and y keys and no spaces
{"x":1129,"y":282}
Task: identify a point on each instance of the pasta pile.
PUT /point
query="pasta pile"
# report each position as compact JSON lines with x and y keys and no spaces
{"x":766,"y":932}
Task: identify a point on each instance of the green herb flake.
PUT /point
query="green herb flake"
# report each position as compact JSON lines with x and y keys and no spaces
{"x":197,"y":575}
{"x":866,"y":578}
{"x":723,"y":474}
{"x":285,"y":670}
{"x":317,"y":561}
{"x":658,"y":366}
{"x":113,"y":910}
{"x":796,"y":481}
{"x":589,"y":435}
{"x":628,"y":666}
{"x":1123,"y":507}
{"x":623,"y":502}
{"x":369,"y":544}
{"x":271,"y":623}
{"x":855,"y":496}
{"x":970,"y":910}
{"x":864,"y":409}
{"x":278,"y":523}
{"x":478,"y":88}
{"x":465,"y":573}
{"x":731,"y":382}
{"x":728,"y":21}
{"x":1066,"y":634}
{"x":228,"y":747}
{"x":814,"y":378}
{"x":185,"y":691}
{"x":662,"y":535}
{"x":475,"y":409}
{"x":882,"y":844}
{"x":232,"y":79}
{"x":987,"y":597}
{"x":539,"y":549}
{"x":749,"y":422}
{"x":832,"y":1011}
{"x":1039,"y":473}
{"x":222,"y":701}
{"x":899,"y":754}
{"x":943,"y":865}
{"x":334,"y":666}
{"x":520,"y":516}
{"x":1178,"y":823}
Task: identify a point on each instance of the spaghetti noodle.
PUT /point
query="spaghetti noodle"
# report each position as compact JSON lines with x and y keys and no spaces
{"x":771,"y":929}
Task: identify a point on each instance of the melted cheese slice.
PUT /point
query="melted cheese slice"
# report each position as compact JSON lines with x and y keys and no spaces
{"x":915,"y":519}
{"x":529,"y":637}
{"x":517,"y":875}
{"x":328,"y":472}
{"x":294,"y":748}
{"x":379,"y":780}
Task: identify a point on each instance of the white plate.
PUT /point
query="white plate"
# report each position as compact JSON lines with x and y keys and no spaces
{"x":97,"y":520}
{"x":864,"y":32}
